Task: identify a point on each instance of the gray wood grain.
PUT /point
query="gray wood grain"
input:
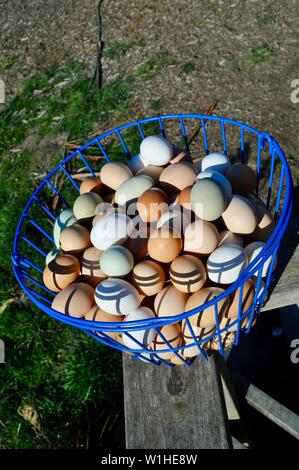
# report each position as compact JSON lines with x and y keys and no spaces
{"x":179,"y":408}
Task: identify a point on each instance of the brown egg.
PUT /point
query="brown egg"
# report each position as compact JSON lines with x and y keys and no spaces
{"x":91,"y":184}
{"x":149,"y":277}
{"x":152,"y":204}
{"x":91,"y":271}
{"x":242,"y":178}
{"x":177,"y":176}
{"x":74,"y":300}
{"x":138,"y":248}
{"x":170,"y":301}
{"x":164,"y":245}
{"x":85,"y":206}
{"x":239,"y":216}
{"x":201,"y":237}
{"x":199,"y":333}
{"x":97,"y":314}
{"x":74,"y":239}
{"x":153,"y":171}
{"x":247,"y":299}
{"x":60,"y":272}
{"x":172,"y":334}
{"x":188,"y":273}
{"x":206,"y":318}
{"x":184,"y":198}
{"x":265,"y":222}
{"x":113,"y":174}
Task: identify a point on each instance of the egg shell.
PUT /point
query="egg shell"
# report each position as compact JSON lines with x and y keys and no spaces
{"x":152,"y":204}
{"x":91,"y":271}
{"x":138,"y":248}
{"x":172,"y":334}
{"x":247,"y":299}
{"x":219,"y":178}
{"x":136,"y":163}
{"x":65,"y":219}
{"x":52,"y":255}
{"x":152,"y":171}
{"x":201,"y":237}
{"x":239,"y":216}
{"x":206,"y":318}
{"x":184,"y":198}
{"x":253,"y":250}
{"x":116,"y":261}
{"x":242,"y":178}
{"x":170,"y":301}
{"x":176,"y":177}
{"x":74,"y":300}
{"x":113,"y":174}
{"x":226,"y":263}
{"x":156,"y":150}
{"x":97,"y":314}
{"x":164,"y":245}
{"x":60,"y":272}
{"x":131,"y":189}
{"x":180,"y":155}
{"x":111,"y":229}
{"x":208,"y":199}
{"x":75,"y":239}
{"x":149,"y":277}
{"x":216,"y":161}
{"x":227,"y":238}
{"x":175,"y":220}
{"x":265,"y":222}
{"x":91,"y":184}
{"x":117,"y":296}
{"x":146,"y":336}
{"x":199,"y":333}
{"x":85,"y":206}
{"x":187,"y":273}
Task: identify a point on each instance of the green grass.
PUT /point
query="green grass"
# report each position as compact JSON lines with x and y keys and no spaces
{"x":157,"y":105}
{"x":261,"y":53}
{"x":148,"y":68}
{"x":187,"y":68}
{"x":263,"y":20}
{"x":8,"y":63}
{"x":118,"y":48}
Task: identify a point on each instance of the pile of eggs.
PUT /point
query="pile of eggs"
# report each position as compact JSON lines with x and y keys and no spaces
{"x":157,"y":238}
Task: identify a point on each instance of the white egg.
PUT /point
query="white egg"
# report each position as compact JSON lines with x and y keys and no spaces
{"x":214,"y":161}
{"x":156,"y":150}
{"x":131,"y":189}
{"x":219,"y":178}
{"x":252,"y":250}
{"x":136,"y":163}
{"x":112,"y":229}
{"x":145,"y":337}
{"x":117,"y":296}
{"x":65,"y":219}
{"x":229,"y":238}
{"x":226,"y":263}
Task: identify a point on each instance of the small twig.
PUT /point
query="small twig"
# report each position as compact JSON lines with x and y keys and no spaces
{"x":82,"y":176}
{"x":197,"y":130}
{"x":6,"y":303}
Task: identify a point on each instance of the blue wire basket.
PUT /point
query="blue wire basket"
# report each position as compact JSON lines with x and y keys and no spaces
{"x":241,"y":142}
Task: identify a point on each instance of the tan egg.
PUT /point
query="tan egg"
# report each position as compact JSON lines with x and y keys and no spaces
{"x":91,"y":184}
{"x":138,"y":248}
{"x":97,"y":314}
{"x":206,"y":318}
{"x":188,"y":273}
{"x":74,"y":239}
{"x":152,"y":204}
{"x":201,"y":237}
{"x":239,"y":216}
{"x":153,"y":171}
{"x":199,"y":333}
{"x":74,"y":300}
{"x":113,"y":174}
{"x":226,"y":322}
{"x":184,"y":198}
{"x":60,"y":272}
{"x":91,"y":271}
{"x":265,"y":222}
{"x":228,"y":238}
{"x":242,"y":178}
{"x":170,"y":301}
{"x":172,"y":334}
{"x":177,"y":176}
{"x":164,"y":245}
{"x":149,"y":277}
{"x":247,"y":299}
{"x":85,"y":206}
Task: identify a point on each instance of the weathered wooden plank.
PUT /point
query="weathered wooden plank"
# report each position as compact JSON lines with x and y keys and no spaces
{"x":179,"y":408}
{"x":286,"y":275}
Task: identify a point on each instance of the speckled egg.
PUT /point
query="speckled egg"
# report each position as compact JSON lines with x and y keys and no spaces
{"x":187,"y":273}
{"x":176,"y":177}
{"x":149,"y":277}
{"x":156,"y":150}
{"x":74,"y":300}
{"x":75,"y":239}
{"x":116,"y":261}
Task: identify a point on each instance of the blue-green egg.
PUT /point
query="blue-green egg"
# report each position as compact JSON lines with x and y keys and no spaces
{"x":65,"y":219}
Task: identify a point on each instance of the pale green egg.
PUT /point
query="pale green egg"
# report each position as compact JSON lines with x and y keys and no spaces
{"x":116,"y":261}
